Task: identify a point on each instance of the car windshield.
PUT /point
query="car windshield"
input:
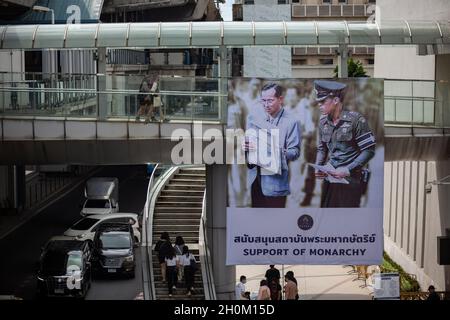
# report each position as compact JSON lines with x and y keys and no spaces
{"x":56,"y":263}
{"x":74,"y":260}
{"x":84,"y":224}
{"x":115,"y":240}
{"x":98,"y":204}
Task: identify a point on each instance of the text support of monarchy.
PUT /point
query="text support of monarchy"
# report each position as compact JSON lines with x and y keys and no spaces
{"x":301,"y":252}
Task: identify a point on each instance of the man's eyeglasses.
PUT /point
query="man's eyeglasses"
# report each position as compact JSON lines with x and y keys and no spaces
{"x":268,"y":101}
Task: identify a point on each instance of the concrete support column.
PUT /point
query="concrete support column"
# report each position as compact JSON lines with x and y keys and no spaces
{"x":12,"y":188}
{"x":343,"y":61}
{"x":216,"y":195}
{"x":102,"y":103}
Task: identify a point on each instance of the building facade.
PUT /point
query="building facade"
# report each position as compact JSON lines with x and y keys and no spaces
{"x":417,"y":206}
{"x":310,"y":61}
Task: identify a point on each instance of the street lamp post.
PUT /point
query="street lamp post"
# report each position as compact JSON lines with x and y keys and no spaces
{"x":45,"y":9}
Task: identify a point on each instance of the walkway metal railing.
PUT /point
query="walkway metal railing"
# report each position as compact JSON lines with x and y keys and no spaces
{"x":412,"y":103}
{"x":417,"y":103}
{"x":205,"y":257}
{"x":146,"y":251}
{"x":153,"y":191}
{"x":183,"y":98}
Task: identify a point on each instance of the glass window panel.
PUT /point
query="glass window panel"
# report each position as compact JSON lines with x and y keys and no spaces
{"x":428,"y":107}
{"x":389,"y":111}
{"x":174,"y":34}
{"x":423,"y":89}
{"x":273,"y":33}
{"x":403,"y":111}
{"x":18,"y":37}
{"x":206,"y":34}
{"x":112,"y":35}
{"x":238,"y":33}
{"x":363,"y":33}
{"x":394,"y":32}
{"x":397,"y":88}
{"x":49,"y":36}
{"x":81,"y":36}
{"x":332,"y":32}
{"x":301,"y":33}
{"x":143,"y":35}
{"x":418,"y":110}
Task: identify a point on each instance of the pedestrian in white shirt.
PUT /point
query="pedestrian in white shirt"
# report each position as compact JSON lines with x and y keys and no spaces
{"x":172,"y":264}
{"x":189,"y":264}
{"x":240,"y":288}
{"x":179,"y":245}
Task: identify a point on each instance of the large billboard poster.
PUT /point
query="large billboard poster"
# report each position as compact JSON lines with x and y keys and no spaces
{"x":305,"y":171}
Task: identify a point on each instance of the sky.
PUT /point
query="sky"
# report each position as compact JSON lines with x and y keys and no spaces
{"x":227,"y":10}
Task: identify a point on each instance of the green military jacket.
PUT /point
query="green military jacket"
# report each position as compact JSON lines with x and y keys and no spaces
{"x":349,"y":143}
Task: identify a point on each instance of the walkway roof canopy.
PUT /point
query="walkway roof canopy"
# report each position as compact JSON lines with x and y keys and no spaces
{"x":232,"y":34}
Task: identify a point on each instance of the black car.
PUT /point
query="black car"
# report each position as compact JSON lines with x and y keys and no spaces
{"x":114,"y":249}
{"x":64,"y":268}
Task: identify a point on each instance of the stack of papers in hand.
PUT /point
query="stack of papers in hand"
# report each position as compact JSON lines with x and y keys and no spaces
{"x":326,"y":168}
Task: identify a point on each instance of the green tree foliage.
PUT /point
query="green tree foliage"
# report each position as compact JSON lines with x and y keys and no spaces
{"x":355,"y":69}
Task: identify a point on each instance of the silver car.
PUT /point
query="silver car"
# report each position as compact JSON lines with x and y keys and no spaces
{"x":85,"y":228}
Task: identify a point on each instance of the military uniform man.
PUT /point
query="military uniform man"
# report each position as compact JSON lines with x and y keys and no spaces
{"x":346,"y":142}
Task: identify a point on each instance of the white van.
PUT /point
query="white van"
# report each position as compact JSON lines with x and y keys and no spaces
{"x":102,"y":196}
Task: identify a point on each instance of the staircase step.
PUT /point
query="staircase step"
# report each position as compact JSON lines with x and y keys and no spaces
{"x":178,"y":291}
{"x":181,"y":197}
{"x":181,"y":203}
{"x":187,"y":181}
{"x":179,"y":228}
{"x":159,"y":209}
{"x":178,"y":215}
{"x":193,"y":170}
{"x":158,"y":220}
{"x":186,"y":187}
{"x":182,"y":193}
{"x":191,"y":176}
{"x":186,"y":238}
{"x":181,"y":297}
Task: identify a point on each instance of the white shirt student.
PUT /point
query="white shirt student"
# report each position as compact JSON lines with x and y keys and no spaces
{"x":185,"y":261}
{"x":172,"y":262}
{"x":240,"y":288}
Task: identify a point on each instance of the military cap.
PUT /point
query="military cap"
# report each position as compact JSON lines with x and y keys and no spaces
{"x":326,"y":88}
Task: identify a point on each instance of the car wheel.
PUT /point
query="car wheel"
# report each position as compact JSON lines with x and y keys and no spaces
{"x":132,"y":274}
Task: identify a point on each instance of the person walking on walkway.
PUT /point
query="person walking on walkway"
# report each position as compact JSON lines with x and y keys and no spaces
{"x":272,"y":273}
{"x":290,"y":289}
{"x":189,"y":264}
{"x":172,"y":264}
{"x":433,"y":296}
{"x":163,"y":247}
{"x":179,"y":247}
{"x":290,"y":274}
{"x":147,"y":101}
{"x":240,"y":288}
{"x":264,"y":291}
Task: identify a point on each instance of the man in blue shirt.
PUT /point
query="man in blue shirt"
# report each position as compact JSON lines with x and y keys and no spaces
{"x":270,"y":190}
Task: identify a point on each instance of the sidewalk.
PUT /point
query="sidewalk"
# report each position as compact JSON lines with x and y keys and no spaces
{"x":314,"y":282}
{"x":41,"y":190}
